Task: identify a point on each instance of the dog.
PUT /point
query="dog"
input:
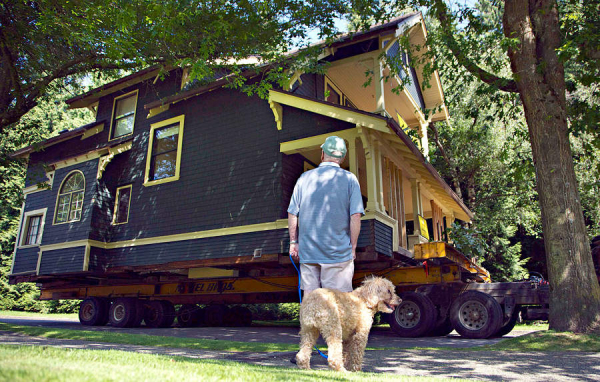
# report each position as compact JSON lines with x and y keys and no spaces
{"x":344,"y":320}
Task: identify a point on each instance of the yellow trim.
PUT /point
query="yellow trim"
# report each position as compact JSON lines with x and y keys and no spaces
{"x":24,"y":226}
{"x":335,"y":88}
{"x":423,"y":230}
{"x":157,"y":110}
{"x":308,"y":166}
{"x":208,"y":272}
{"x":86,"y":258}
{"x":105,"y":160}
{"x":179,"y":119}
{"x":278,"y":224}
{"x":58,"y":196}
{"x":12,"y":267}
{"x":117,"y":204}
{"x":91,"y":132}
{"x":295,"y":77}
{"x":299,"y":145}
{"x":330,"y":111}
{"x":112,"y":115}
{"x":278,"y":113}
{"x":78,"y":159}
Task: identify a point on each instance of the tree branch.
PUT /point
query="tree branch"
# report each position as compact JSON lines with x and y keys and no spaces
{"x":504,"y":84}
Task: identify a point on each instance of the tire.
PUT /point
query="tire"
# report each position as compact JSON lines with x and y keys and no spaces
{"x":238,"y":316}
{"x":159,"y":314}
{"x":123,"y":312}
{"x":187,"y":315}
{"x":93,"y":311}
{"x":476,"y":315}
{"x":414,"y":317}
{"x":509,"y":324}
{"x":442,"y":329}
{"x":214,"y":315}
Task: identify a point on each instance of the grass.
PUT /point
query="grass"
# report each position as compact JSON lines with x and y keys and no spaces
{"x":26,"y":363}
{"x":148,"y":340}
{"x":549,"y":340}
{"x":14,"y":313}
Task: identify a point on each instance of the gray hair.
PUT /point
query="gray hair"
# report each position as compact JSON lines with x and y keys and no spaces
{"x":328,"y":158}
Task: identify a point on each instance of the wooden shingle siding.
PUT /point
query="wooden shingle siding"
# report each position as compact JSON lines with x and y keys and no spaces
{"x":384,"y":240}
{"x":62,"y":261}
{"x":26,"y":260}
{"x":292,"y":168}
{"x":269,"y":242}
{"x":79,"y":230}
{"x":366,"y":237}
{"x":312,"y":86}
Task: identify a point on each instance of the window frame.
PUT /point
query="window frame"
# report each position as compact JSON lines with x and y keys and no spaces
{"x":58,"y":194}
{"x":114,"y":109}
{"x":153,"y":127}
{"x":25,"y":227}
{"x":335,"y":89}
{"x":117,"y":193}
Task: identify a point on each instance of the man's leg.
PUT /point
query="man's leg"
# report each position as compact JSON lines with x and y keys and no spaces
{"x":310,"y":276}
{"x":338,"y":276}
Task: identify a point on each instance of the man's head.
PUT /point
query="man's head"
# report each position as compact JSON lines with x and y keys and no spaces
{"x":334,"y":149}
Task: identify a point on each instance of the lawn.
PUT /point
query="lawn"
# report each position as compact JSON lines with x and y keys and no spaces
{"x":14,"y":313}
{"x":549,"y":340}
{"x":27,"y":363}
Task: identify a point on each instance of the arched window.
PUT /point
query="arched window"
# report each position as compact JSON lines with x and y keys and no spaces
{"x":70,"y":198}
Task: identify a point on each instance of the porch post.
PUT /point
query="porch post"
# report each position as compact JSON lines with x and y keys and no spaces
{"x":379,"y":90}
{"x":371,"y":154}
{"x":416,"y":204}
{"x":352,"y":157}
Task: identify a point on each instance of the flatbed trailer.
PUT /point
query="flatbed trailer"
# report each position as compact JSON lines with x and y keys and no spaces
{"x":441,"y":290}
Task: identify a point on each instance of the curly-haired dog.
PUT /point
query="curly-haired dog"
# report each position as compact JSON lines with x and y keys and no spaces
{"x":344,"y":320}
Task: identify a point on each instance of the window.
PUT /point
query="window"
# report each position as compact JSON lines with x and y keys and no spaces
{"x":164,"y":151}
{"x":334,"y":96}
{"x":123,"y":117}
{"x":69,"y":202}
{"x":32,"y":227}
{"x":122,"y":200}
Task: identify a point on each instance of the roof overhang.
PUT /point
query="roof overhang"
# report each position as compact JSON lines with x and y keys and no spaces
{"x":392,"y":134}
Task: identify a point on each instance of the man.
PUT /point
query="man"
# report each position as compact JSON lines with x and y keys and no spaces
{"x":326,"y":206}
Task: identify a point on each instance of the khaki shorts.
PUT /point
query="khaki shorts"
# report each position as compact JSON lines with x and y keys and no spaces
{"x":333,"y":276}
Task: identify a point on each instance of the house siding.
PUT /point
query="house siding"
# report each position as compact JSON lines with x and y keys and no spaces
{"x":62,"y":261}
{"x":79,"y":230}
{"x":25,"y":260}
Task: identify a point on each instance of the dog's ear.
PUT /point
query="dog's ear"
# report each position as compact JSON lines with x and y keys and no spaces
{"x":369,"y":293}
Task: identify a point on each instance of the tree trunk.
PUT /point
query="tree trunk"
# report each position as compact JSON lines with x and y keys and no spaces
{"x":574,"y":289}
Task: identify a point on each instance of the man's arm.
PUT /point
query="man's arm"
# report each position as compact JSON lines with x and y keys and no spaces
{"x":293,"y":229}
{"x":354,"y":232}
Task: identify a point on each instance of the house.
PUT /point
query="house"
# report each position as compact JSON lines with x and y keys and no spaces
{"x":169,"y":181}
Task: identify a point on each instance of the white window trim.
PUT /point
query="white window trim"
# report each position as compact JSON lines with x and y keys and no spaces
{"x":24,"y":226}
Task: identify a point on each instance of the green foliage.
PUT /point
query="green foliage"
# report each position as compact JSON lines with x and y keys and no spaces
{"x":269,"y":312}
{"x":43,"y":121}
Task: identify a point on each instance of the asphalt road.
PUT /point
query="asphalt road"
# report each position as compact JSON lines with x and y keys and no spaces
{"x":455,"y":362}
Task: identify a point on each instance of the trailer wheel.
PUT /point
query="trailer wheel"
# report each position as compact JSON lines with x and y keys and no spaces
{"x":214,"y":315}
{"x":442,"y":329}
{"x":509,"y":324}
{"x":239,"y":316}
{"x":159,"y":314}
{"x":476,"y":315}
{"x":123,"y":312}
{"x":414,"y":317}
{"x":93,"y":311}
{"x":187,"y":315}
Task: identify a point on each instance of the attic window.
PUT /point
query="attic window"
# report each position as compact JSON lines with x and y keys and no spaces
{"x":164,"y":151}
{"x":123,"y":117}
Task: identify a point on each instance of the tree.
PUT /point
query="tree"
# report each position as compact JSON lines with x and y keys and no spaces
{"x":532,"y":37}
{"x":45,"y":40}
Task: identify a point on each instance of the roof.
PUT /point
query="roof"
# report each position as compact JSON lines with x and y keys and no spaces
{"x":57,"y":139}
